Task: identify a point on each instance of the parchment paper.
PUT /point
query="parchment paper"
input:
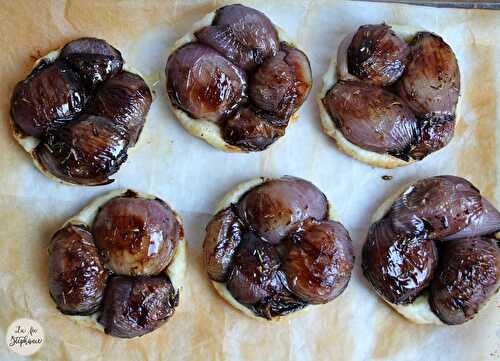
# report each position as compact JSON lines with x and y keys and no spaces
{"x":192,"y":177}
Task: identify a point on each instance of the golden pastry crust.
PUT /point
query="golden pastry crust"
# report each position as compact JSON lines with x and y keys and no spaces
{"x":328,"y":125}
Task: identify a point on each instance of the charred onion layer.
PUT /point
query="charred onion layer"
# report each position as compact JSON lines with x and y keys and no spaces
{"x":85,"y":110}
{"x":412,"y":118}
{"x":118,"y":266}
{"x":277,"y":251}
{"x":437,"y":236}
{"x":238,"y":75}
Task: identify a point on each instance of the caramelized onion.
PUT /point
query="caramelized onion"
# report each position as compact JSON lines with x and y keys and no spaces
{"x":222,"y":237}
{"x":252,"y":130}
{"x":372,"y":118}
{"x":204,"y":83}
{"x":398,"y":266}
{"x":137,"y":236}
{"x":435,"y":133}
{"x":277,"y":206}
{"x":49,"y":98}
{"x":318,"y":261}
{"x":282,"y":83}
{"x":377,"y":55}
{"x":487,"y":222}
{"x":134,"y":306}
{"x":87,"y":151}
{"x":468,"y":275}
{"x":431,"y":82}
{"x":254,"y":275}
{"x":436,"y":206}
{"x":94,"y":59}
{"x":76,"y":274}
{"x":126,"y":99}
{"x":243,"y":35}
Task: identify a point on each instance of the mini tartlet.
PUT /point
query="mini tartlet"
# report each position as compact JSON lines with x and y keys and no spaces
{"x":272,"y":248}
{"x":236,"y":80}
{"x":386,"y":127}
{"x":118,"y":265}
{"x":79,"y":112}
{"x":432,"y":251}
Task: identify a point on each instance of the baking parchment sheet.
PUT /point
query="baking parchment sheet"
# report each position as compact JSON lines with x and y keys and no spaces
{"x":192,"y":176}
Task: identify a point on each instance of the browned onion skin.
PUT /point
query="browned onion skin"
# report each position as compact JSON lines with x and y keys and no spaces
{"x":488,"y":222}
{"x":243,"y":35}
{"x":431,"y":82}
{"x":137,"y":236}
{"x":94,"y":59}
{"x":398,"y":266}
{"x":77,"y":277}
{"x":435,"y":133}
{"x":125,"y":98}
{"x":377,"y":55}
{"x":204,"y":83}
{"x":223,"y":235}
{"x":318,"y":261}
{"x":252,"y":130}
{"x":254,"y":273}
{"x":87,"y":151}
{"x":49,"y":98}
{"x":436,"y":206}
{"x":277,"y":206}
{"x":372,"y":118}
{"x":134,"y":306}
{"x":468,"y":275}
{"x":282,"y":83}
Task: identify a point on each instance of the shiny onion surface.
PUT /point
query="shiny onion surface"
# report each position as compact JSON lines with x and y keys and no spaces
{"x":117,"y":266}
{"x":276,"y":250}
{"x":438,"y":236}
{"x":84,"y":110}
{"x":392,"y":97}
{"x":238,"y":75}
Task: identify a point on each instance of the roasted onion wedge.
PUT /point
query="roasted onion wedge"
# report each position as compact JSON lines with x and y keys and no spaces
{"x":377,"y":55}
{"x":466,"y":269}
{"x":468,"y":275}
{"x":94,"y":59}
{"x":125,"y":98}
{"x":252,"y":130}
{"x":77,"y":276}
{"x":134,"y":306}
{"x":282,"y":83}
{"x":136,"y":236}
{"x":436,"y":207}
{"x":319,"y":260}
{"x":49,"y":98}
{"x":271,"y":248}
{"x":431,"y":82}
{"x":372,"y":118}
{"x":204,"y":83}
{"x":87,"y":151}
{"x":242,"y":34}
{"x":276,"y":207}
{"x":399,"y":266}
{"x":120,"y":305}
